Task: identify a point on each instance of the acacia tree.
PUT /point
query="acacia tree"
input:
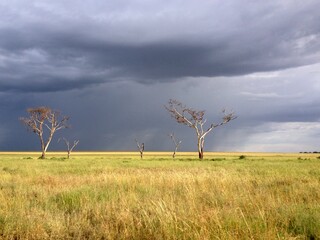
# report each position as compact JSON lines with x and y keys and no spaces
{"x":195,"y":119}
{"x":69,"y":147}
{"x":176,"y":144}
{"x":41,"y":119}
{"x":140,"y":147}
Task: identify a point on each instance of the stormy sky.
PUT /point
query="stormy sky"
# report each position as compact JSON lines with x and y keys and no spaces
{"x":113,"y":65}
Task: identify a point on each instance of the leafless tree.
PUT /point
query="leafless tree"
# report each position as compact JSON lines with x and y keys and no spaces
{"x":69,"y":147}
{"x":176,"y":144}
{"x":195,"y":119}
{"x":41,"y":119}
{"x":140,"y":147}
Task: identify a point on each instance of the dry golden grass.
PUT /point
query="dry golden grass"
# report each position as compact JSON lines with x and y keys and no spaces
{"x":113,"y":195}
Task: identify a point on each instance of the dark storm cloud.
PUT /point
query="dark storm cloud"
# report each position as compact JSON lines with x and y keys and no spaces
{"x":89,"y":58}
{"x":51,"y":85}
{"x":150,"y":41}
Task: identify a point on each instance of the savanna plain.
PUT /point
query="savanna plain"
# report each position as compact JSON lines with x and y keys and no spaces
{"x":117,"y":195}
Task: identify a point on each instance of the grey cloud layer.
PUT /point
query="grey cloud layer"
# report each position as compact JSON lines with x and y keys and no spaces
{"x":59,"y":46}
{"x":111,"y":116}
{"x":112,"y":65}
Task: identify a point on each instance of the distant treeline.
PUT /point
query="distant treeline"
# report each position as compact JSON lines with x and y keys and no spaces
{"x":310,"y":152}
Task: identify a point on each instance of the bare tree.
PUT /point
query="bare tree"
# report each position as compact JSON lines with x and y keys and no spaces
{"x":195,"y":119}
{"x":140,"y":147}
{"x":69,"y":147}
{"x":176,"y":144}
{"x":42,"y":118}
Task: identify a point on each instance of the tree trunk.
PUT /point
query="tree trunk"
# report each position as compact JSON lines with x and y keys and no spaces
{"x":43,"y":151}
{"x":45,"y":146}
{"x":174,"y":154}
{"x":141,"y":154}
{"x":48,"y":142}
{"x":68,"y":154}
{"x":200,"y":147}
{"x":43,"y":155}
{"x":201,"y":153}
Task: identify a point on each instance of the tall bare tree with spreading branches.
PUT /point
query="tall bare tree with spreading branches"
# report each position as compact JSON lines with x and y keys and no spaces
{"x":195,"y":119}
{"x":176,"y":144}
{"x":44,"y":122}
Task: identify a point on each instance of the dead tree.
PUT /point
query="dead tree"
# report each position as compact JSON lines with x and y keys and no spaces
{"x":176,"y":144}
{"x":140,"y":147}
{"x":44,"y":121}
{"x":69,"y":147}
{"x":195,"y":119}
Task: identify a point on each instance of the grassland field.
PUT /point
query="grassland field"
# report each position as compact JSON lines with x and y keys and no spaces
{"x":117,"y":195}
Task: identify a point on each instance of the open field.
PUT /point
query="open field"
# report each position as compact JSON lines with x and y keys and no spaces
{"x":115,"y":195}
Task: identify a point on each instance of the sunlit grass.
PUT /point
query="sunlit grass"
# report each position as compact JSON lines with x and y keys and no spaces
{"x":113,"y":195}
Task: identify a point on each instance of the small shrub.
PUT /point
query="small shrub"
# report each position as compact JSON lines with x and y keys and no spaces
{"x":217,"y":159}
{"x":58,"y":158}
{"x":242,"y":157}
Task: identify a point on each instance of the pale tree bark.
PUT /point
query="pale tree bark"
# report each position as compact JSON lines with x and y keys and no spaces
{"x":200,"y":147}
{"x":176,"y":144}
{"x":69,"y":147}
{"x":140,"y":147}
{"x":41,"y":118}
{"x":195,"y":119}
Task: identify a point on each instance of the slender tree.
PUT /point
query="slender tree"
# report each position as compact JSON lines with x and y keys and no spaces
{"x":140,"y":147}
{"x":195,"y":119}
{"x":69,"y":147}
{"x":42,"y":120}
{"x":176,"y":144}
